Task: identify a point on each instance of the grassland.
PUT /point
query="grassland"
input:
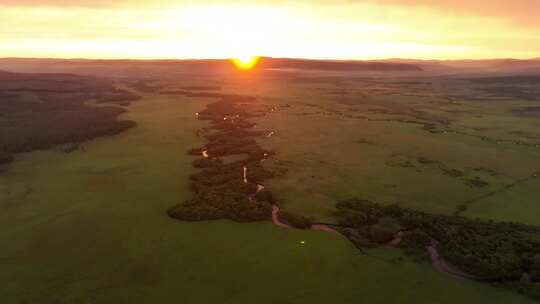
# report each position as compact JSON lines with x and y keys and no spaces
{"x":426,"y":153}
{"x":90,"y":226}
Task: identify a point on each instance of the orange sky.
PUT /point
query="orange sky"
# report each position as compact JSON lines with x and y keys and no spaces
{"x":371,"y":29}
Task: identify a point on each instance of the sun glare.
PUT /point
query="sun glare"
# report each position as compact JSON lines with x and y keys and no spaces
{"x":245,"y":63}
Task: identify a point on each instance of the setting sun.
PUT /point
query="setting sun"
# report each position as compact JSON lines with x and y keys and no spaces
{"x":245,"y":62}
{"x":325,"y":30}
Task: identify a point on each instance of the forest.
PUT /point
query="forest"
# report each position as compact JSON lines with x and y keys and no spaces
{"x":39,"y":111}
{"x":221,"y":191}
{"x":498,"y":252}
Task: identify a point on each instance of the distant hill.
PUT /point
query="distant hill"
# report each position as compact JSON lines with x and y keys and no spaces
{"x":139,"y":68}
{"x":51,"y":82}
{"x":166,"y":68}
{"x":481,"y":65}
{"x":337,"y":65}
{"x":6,"y":74}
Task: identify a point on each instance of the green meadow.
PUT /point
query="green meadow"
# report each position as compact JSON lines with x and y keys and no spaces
{"x":376,"y":146}
{"x":91,"y":226}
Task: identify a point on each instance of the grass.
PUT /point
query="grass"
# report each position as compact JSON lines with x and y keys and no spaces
{"x":91,"y":227}
{"x":331,"y":156}
{"x":513,"y":204}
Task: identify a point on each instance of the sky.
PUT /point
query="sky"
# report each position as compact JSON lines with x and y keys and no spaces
{"x":323,"y":29}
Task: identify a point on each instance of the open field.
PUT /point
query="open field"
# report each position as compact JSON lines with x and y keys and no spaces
{"x":90,"y":226}
{"x":422,"y":152}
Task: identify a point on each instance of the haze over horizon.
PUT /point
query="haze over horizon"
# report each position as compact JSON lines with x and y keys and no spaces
{"x":166,"y":29}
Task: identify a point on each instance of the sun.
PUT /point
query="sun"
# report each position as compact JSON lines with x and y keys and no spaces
{"x":245,"y":62}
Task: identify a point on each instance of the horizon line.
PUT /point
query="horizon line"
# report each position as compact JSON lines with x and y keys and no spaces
{"x":270,"y":57}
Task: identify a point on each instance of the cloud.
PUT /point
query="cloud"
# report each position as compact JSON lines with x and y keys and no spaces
{"x":525,"y":12}
{"x":517,"y":11}
{"x":315,"y":28}
{"x":65,"y":3}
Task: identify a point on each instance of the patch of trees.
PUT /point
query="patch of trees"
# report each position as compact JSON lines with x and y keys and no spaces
{"x":497,"y":252}
{"x":192,"y":94}
{"x":471,"y":181}
{"x":517,"y":92}
{"x":117,"y":96}
{"x":5,"y":158}
{"x":520,"y":79}
{"x":202,"y":88}
{"x":295,"y":220}
{"x":476,"y":182}
{"x":144,"y":86}
{"x":39,"y":111}
{"x":265,"y":196}
{"x":527,"y":112}
{"x":209,"y":94}
{"x":368,"y":224}
{"x":223,"y":199}
{"x":219,"y":189}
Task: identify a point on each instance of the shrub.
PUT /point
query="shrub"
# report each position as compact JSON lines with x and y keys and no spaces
{"x":381,"y":234}
{"x":194,"y":213}
{"x":5,"y":158}
{"x":265,"y":196}
{"x":207,"y":163}
{"x":295,"y":220}
{"x":416,"y":238}
{"x":460,"y":209}
{"x":392,"y":210}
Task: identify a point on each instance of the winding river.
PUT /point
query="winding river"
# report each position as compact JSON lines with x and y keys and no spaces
{"x":438,"y":262}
